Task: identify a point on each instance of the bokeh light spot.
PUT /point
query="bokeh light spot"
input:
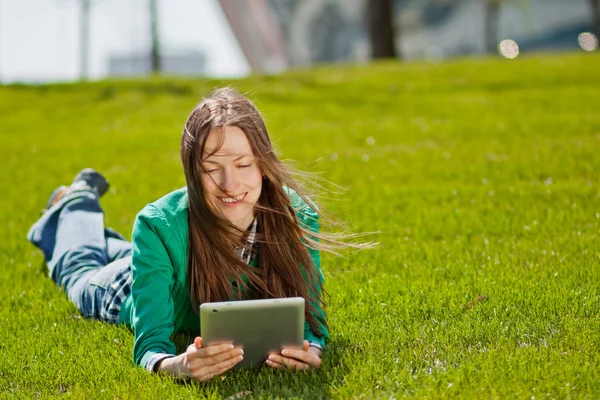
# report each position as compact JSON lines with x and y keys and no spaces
{"x":588,"y":41}
{"x":508,"y":48}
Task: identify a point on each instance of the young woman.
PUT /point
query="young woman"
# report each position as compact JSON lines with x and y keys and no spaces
{"x":241,"y":229}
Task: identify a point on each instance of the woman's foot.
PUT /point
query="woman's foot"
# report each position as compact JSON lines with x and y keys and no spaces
{"x":94,"y":179}
{"x":86,"y":178}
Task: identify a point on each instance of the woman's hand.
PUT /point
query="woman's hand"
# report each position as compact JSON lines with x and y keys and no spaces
{"x":202,"y":363}
{"x":307,"y":357}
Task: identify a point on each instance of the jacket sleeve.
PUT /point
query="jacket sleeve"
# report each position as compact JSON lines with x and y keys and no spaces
{"x":309,"y":219}
{"x":152,"y":273}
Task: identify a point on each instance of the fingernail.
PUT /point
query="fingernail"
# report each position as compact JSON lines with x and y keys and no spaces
{"x":241,"y":352}
{"x":271,"y":358}
{"x":230,"y":347}
{"x":240,"y":358}
{"x":285,"y":352}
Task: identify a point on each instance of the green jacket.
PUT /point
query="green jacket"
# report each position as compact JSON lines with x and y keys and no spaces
{"x":159,"y":304}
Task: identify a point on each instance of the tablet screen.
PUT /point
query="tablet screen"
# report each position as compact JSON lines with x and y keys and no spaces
{"x":260,"y":327}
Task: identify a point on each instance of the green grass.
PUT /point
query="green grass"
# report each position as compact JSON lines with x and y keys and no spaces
{"x":482,"y":176}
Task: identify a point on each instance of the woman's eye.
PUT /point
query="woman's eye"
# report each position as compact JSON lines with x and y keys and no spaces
{"x":210,"y":171}
{"x":244,"y":166}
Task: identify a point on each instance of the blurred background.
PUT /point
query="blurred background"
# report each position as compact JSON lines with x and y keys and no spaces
{"x":69,"y":40}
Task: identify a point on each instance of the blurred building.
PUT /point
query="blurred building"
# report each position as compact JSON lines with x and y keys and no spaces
{"x":189,"y":64}
{"x":231,"y":38}
{"x":455,"y":28}
{"x":314,"y":31}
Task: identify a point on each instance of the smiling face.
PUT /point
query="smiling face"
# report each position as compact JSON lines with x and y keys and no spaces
{"x":231,"y":176}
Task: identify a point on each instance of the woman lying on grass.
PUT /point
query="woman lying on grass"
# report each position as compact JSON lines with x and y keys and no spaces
{"x":241,"y":229}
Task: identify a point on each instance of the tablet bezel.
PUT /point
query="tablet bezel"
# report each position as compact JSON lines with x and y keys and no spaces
{"x":260,"y":327}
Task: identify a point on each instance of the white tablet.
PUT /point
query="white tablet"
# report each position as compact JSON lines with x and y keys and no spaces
{"x":260,"y":327}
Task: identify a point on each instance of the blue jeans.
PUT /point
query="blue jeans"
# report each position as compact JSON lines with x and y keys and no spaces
{"x":82,"y":255}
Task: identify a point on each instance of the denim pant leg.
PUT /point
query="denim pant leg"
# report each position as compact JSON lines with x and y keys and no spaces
{"x":119,"y":257}
{"x":117,"y":248}
{"x":71,"y":235}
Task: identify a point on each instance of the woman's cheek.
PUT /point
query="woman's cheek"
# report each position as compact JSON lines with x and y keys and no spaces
{"x":208,"y":183}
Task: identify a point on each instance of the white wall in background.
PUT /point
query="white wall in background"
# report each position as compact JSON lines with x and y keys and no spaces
{"x":39,"y":39}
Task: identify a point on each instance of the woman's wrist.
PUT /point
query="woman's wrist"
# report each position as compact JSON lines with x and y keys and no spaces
{"x":315,"y":351}
{"x":172,"y":366}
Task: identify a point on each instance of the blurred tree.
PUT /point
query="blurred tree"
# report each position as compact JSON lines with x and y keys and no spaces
{"x":155,"y":52}
{"x":84,"y":41}
{"x":380,"y":21}
{"x":595,"y":4}
{"x":492,"y":8}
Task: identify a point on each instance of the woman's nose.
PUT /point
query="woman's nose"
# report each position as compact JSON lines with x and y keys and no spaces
{"x":229,"y":181}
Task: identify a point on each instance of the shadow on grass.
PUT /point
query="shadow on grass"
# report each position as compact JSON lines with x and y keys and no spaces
{"x":268,"y":383}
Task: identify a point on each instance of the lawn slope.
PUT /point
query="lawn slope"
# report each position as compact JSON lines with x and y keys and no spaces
{"x":482,"y":177}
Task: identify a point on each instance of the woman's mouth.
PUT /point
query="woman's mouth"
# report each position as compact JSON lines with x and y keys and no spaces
{"x":234,"y":200}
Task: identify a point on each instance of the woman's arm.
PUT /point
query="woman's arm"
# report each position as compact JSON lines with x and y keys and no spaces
{"x":152,"y":275}
{"x":309,"y":219}
{"x":152,"y":322}
{"x":309,"y":356}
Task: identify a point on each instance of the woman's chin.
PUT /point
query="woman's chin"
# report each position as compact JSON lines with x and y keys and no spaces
{"x":241,"y":220}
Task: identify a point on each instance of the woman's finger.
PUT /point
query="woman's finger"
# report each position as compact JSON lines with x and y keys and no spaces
{"x":273,"y":364}
{"x":289,"y":362}
{"x":301,"y":355}
{"x":206,"y":373}
{"x":210,"y":351}
{"x":196,"y":344}
{"x":224,"y":356}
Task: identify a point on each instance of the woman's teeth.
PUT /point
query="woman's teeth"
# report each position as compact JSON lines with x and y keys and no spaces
{"x":232,"y":199}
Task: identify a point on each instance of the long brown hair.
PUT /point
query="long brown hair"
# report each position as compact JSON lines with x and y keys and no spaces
{"x":285,"y":266}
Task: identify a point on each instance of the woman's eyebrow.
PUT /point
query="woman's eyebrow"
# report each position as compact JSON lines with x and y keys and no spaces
{"x":237,"y":159}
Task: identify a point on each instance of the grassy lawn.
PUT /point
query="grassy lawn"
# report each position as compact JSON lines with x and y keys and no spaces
{"x":482,"y":177}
